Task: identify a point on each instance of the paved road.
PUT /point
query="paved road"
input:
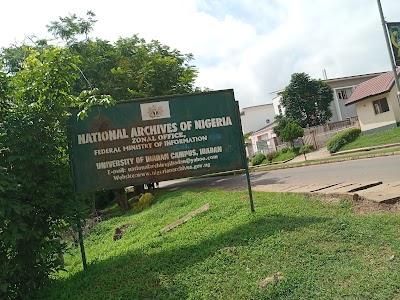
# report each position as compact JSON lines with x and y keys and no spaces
{"x":385,"y":169}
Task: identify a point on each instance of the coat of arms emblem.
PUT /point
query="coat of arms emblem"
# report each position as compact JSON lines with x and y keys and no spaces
{"x":155,"y":111}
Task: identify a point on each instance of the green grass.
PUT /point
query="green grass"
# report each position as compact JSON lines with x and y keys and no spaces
{"x":390,"y":136}
{"x":284,"y":156}
{"x":281,"y":156}
{"x":324,"y":251}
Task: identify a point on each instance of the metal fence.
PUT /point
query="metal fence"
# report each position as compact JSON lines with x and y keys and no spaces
{"x":317,"y":136}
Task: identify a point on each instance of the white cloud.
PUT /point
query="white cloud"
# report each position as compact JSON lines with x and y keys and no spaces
{"x":251,"y":46}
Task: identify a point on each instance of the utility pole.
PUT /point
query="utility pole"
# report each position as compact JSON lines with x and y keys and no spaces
{"x":396,"y":79}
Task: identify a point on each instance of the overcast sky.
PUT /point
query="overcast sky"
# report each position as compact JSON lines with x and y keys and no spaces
{"x":252,"y":46}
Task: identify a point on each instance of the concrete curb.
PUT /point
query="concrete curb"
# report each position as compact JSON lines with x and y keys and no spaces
{"x":328,"y":161}
{"x":366,"y":149}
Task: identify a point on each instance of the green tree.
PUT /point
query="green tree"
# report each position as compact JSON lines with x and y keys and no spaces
{"x":97,"y":59}
{"x":282,"y":121}
{"x":3,"y":88}
{"x":13,"y":57}
{"x":36,"y":191}
{"x":247,"y":141}
{"x":150,"y":69}
{"x":291,"y":132}
{"x":70,"y":27}
{"x":307,"y":100}
{"x":130,"y":68}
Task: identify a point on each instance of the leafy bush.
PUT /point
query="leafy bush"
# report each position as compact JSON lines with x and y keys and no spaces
{"x":145,"y":200}
{"x":258,"y":159}
{"x":272,"y":155}
{"x":265,"y":161}
{"x":305,"y":149}
{"x":341,"y":139}
{"x":284,"y":150}
{"x":389,"y":136}
{"x":296,"y":150}
{"x":38,"y":197}
{"x":284,"y":156}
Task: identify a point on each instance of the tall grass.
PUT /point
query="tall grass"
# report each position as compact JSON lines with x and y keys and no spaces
{"x":323,"y":251}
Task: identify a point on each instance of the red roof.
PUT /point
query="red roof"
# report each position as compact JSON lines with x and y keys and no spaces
{"x":375,"y":86}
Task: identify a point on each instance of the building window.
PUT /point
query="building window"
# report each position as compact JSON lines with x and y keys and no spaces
{"x":279,"y":109}
{"x":380,"y":106}
{"x":342,"y":94}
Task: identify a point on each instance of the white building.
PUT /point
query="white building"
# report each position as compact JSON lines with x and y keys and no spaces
{"x":263,"y":140}
{"x":343,"y":88}
{"x":277,"y":102}
{"x":255,"y":117}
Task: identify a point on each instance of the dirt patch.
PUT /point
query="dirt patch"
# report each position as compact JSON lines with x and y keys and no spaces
{"x":232,"y":250}
{"x":328,"y":199}
{"x":119,"y":231}
{"x":271,"y":279}
{"x":361,"y":206}
{"x":368,"y":207}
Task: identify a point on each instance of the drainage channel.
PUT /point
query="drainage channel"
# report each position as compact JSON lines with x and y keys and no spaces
{"x":364,"y":187}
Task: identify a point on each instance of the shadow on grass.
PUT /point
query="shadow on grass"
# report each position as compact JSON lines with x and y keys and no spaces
{"x":140,"y":275}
